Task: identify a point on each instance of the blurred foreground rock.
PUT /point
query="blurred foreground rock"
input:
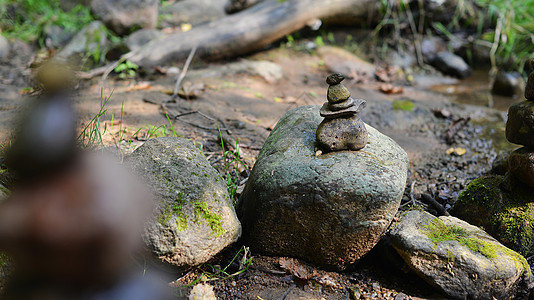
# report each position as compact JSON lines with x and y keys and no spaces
{"x":73,"y":234}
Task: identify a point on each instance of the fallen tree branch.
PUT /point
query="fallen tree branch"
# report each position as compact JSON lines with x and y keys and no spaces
{"x":435,"y":204}
{"x":249,"y":30}
{"x":182,"y":75}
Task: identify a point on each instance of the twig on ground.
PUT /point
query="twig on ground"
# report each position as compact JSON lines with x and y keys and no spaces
{"x":202,"y":127}
{"x":92,"y":73}
{"x":430,"y":200}
{"x":182,"y":75}
{"x":171,"y":115}
{"x":284,"y":295}
{"x":251,"y":147}
{"x":147,"y":100}
{"x":265,"y":270}
{"x":412,"y":192}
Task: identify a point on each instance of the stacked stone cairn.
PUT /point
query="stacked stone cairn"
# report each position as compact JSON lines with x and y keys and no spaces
{"x":342,"y":128}
{"x":520,"y":130}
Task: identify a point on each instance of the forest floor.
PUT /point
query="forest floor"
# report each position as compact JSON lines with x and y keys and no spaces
{"x":247,"y":107}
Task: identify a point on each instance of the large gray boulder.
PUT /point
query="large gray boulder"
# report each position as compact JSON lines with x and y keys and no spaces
{"x":195,"y":216}
{"x":328,"y":209}
{"x":508,"y":84}
{"x":451,"y":64}
{"x":458,"y":258}
{"x":124,"y":16}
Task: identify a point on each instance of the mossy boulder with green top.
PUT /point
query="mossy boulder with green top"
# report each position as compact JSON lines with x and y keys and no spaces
{"x":503,"y":206}
{"x":459,"y":259}
{"x":195,"y":217}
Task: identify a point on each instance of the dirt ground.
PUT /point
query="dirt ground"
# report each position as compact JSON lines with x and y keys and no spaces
{"x":247,"y":106}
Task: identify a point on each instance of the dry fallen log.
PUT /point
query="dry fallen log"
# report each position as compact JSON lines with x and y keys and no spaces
{"x":234,"y":6}
{"x":255,"y":27}
{"x":250,"y":30}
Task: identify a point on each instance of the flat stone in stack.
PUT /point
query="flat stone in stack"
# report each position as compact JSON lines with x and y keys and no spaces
{"x":520,"y":130}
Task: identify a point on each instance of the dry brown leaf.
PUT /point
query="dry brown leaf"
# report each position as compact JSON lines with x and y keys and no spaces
{"x":295,"y":268}
{"x":388,"y":88}
{"x":326,"y":280}
{"x":456,"y":151}
{"x":441,"y":113}
{"x":356,"y":77}
{"x":139,"y":86}
{"x":382,"y":75}
{"x":202,"y":291}
{"x":191,"y":91}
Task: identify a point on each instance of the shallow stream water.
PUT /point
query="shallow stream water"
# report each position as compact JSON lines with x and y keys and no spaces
{"x":475,"y":91}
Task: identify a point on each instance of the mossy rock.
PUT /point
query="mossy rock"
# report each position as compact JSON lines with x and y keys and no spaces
{"x":504,"y":207}
{"x":195,"y":217}
{"x":6,"y":268}
{"x":460,"y":259}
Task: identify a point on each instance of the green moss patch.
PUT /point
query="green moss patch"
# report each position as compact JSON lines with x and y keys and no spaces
{"x":516,"y":226}
{"x":506,"y":215}
{"x":4,"y":260}
{"x":213,"y":220}
{"x":439,"y":232}
{"x":174,"y":212}
{"x":405,"y":105}
{"x":482,"y":191}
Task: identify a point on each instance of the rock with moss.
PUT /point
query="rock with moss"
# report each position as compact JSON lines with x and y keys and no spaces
{"x":503,"y":206}
{"x":460,"y":259}
{"x":195,"y":217}
{"x":6,"y":269}
{"x":328,"y":209}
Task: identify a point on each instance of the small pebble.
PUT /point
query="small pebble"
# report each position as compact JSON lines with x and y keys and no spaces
{"x":335,"y":78}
